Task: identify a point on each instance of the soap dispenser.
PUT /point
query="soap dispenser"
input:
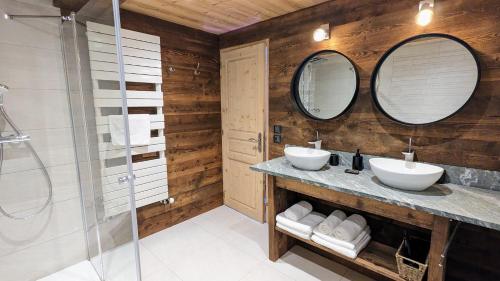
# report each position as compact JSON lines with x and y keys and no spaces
{"x":357,"y":161}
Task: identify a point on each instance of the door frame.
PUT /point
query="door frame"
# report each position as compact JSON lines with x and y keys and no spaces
{"x":265,"y":132}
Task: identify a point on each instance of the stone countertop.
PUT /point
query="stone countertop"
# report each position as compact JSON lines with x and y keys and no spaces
{"x":467,"y":204}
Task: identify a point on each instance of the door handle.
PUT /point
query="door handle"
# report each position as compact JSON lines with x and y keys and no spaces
{"x":125,"y":179}
{"x":258,"y":141}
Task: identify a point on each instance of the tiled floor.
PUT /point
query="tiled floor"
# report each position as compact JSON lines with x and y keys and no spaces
{"x":224,"y":245}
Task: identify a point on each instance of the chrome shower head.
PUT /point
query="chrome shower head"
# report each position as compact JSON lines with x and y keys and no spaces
{"x":3,"y":90}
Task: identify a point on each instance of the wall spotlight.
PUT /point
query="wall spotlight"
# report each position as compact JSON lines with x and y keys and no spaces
{"x":322,"y":33}
{"x":425,"y":12}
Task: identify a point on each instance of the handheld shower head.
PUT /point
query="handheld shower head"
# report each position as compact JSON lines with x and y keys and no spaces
{"x":3,"y":90}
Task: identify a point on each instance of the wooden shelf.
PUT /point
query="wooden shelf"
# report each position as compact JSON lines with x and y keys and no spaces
{"x":376,"y":257}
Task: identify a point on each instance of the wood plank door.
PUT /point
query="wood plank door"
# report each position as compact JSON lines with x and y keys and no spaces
{"x":244,"y":117}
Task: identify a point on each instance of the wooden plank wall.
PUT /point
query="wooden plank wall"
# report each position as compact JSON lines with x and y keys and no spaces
{"x":364,"y":30}
{"x":193,"y":121}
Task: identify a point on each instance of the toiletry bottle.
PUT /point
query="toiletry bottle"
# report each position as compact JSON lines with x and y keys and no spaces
{"x":357,"y":161}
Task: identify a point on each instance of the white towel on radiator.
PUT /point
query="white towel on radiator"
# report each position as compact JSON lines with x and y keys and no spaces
{"x":299,"y":210}
{"x":304,"y":225}
{"x":350,"y":253}
{"x":349,"y":245}
{"x":349,"y":229}
{"x":334,"y":219}
{"x":139,"y":127}
{"x":300,"y":234}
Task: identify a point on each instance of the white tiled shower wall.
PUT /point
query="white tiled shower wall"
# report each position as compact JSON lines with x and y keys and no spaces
{"x":31,"y":64}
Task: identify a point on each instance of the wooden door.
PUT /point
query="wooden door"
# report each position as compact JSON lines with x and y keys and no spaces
{"x":244,"y":117}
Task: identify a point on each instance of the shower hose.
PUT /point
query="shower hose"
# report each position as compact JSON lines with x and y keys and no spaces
{"x":39,"y":162}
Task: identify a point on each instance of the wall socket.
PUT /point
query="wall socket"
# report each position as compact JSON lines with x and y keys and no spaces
{"x":277,"y":129}
{"x":277,"y":138}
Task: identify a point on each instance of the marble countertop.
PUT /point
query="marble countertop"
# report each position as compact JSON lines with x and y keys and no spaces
{"x":468,"y":204}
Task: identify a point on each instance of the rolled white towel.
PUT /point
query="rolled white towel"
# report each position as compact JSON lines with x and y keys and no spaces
{"x":299,"y":210}
{"x":349,"y":245}
{"x":349,"y":229}
{"x":334,"y":219}
{"x":304,"y":225}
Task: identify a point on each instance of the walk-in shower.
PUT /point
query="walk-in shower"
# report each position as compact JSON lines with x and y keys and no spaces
{"x":52,"y":173}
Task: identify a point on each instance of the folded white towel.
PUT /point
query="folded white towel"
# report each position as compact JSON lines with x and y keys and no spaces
{"x":299,"y":210}
{"x":349,"y":229}
{"x":349,"y":245}
{"x":304,"y":225}
{"x":139,"y":128}
{"x":350,"y":253}
{"x":334,"y":219}
{"x":300,"y":234}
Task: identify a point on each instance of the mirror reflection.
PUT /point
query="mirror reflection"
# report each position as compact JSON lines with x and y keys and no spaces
{"x":325,"y":85}
{"x":425,"y":79}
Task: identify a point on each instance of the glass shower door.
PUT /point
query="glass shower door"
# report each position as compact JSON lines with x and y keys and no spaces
{"x":97,"y":91}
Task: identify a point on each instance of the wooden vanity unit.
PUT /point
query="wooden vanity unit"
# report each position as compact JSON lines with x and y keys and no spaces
{"x":377,"y":258}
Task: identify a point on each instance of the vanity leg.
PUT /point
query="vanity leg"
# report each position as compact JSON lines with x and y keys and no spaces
{"x":279,"y":243}
{"x":439,"y":238}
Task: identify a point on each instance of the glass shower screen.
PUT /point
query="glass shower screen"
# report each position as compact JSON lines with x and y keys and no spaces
{"x":97,"y":91}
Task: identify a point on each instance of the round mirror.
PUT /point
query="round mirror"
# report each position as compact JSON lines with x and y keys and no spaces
{"x":325,"y":85}
{"x":425,"y":79}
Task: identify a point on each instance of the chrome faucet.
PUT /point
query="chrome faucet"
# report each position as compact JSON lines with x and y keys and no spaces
{"x":409,"y":155}
{"x":317,"y":142}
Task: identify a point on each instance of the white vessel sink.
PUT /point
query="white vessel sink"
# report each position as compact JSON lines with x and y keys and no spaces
{"x":405,"y":175}
{"x":307,"y":158}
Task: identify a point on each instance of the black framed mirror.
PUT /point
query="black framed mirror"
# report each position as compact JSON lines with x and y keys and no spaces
{"x":425,"y":79}
{"x":325,"y":85}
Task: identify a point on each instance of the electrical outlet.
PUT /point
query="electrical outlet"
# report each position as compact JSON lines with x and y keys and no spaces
{"x":277,"y":139}
{"x":277,"y":129}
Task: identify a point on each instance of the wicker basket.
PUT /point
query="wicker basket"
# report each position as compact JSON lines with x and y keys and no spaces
{"x":409,"y":269}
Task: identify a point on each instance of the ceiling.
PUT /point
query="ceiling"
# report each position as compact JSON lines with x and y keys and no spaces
{"x":216,"y":16}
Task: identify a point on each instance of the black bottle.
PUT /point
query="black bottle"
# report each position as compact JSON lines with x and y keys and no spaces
{"x":357,"y":161}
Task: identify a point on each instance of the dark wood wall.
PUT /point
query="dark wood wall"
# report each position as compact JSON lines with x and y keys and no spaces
{"x":193,"y":122}
{"x":364,"y":30}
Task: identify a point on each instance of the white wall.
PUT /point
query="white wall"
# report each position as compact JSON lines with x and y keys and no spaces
{"x":31,"y":65}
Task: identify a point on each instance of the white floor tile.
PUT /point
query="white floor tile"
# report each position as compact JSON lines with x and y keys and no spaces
{"x":303,"y":265}
{"x":265,"y":272}
{"x":177,"y":241}
{"x":82,"y":271}
{"x":216,"y":261}
{"x":219,"y":220}
{"x":119,"y":263}
{"x":162,"y":275}
{"x":150,"y":264}
{"x":250,"y":237}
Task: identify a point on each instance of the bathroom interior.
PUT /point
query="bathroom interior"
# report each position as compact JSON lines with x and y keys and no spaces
{"x":365,"y":141}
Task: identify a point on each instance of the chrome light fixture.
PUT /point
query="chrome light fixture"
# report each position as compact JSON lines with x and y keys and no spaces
{"x":425,"y":12}
{"x":322,"y":33}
